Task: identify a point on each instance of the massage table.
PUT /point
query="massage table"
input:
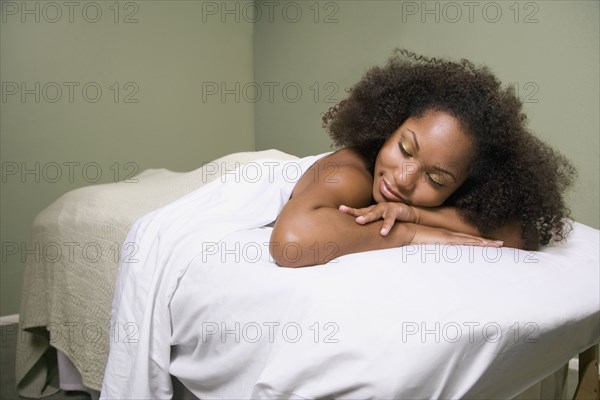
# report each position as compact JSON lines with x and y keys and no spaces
{"x":488,"y":323}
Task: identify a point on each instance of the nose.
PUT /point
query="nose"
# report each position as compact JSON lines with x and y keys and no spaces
{"x":407,"y":176}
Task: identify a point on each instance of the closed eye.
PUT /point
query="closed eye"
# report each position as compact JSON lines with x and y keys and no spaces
{"x":403,"y":150}
{"x":437,"y":184}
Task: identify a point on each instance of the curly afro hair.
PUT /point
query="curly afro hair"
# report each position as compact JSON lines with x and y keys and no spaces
{"x":515,"y":176}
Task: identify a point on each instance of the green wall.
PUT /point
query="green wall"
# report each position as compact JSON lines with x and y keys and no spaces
{"x":161,"y":61}
{"x":549,"y":48}
{"x":290,"y":63}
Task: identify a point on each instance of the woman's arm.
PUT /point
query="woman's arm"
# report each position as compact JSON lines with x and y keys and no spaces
{"x":436,"y":217}
{"x":450,"y":218}
{"x":310,"y":229}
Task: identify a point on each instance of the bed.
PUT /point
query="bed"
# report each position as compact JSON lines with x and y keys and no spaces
{"x":413,"y":322}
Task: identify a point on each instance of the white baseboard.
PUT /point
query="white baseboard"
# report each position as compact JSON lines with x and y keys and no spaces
{"x":9,"y":319}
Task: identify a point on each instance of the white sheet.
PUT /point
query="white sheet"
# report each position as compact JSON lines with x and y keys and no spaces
{"x":413,"y":322}
{"x":158,"y":250}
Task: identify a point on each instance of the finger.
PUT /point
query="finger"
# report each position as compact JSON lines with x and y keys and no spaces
{"x":489,"y":243}
{"x":355,"y":212}
{"x":479,"y":241}
{"x":425,"y":234}
{"x":347,"y":210}
{"x":388,"y":222}
{"x":370,"y":216}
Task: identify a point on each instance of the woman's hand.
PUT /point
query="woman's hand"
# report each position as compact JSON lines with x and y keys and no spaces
{"x":425,"y":235}
{"x":390,"y":212}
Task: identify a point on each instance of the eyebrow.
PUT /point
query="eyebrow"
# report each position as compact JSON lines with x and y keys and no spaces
{"x":444,"y":171}
{"x":414,"y":138}
{"x":437,"y":168}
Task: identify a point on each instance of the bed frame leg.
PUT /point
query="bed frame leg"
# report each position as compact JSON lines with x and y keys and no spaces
{"x":588,"y":386}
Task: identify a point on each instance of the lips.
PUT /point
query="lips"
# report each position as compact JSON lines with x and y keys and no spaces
{"x":388,"y":193}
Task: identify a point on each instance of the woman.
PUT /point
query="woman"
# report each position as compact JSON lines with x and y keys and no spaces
{"x":433,"y":151}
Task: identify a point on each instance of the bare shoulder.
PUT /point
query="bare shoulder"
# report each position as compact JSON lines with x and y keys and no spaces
{"x":342,"y":176}
{"x":311,"y":215}
{"x":347,"y":157}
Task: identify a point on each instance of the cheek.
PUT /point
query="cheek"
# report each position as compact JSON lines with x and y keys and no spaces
{"x":374,"y":191}
{"x":385,"y":156}
{"x":429,"y":197}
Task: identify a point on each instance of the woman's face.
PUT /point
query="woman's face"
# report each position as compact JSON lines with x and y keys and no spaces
{"x":424,"y":161}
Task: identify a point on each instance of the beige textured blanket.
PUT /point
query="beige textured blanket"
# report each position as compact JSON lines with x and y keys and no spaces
{"x":68,"y":290}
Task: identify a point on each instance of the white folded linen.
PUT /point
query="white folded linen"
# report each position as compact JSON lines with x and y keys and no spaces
{"x":67,"y":295}
{"x":200,"y":299}
{"x":157,"y":252}
{"x":416,"y":322}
